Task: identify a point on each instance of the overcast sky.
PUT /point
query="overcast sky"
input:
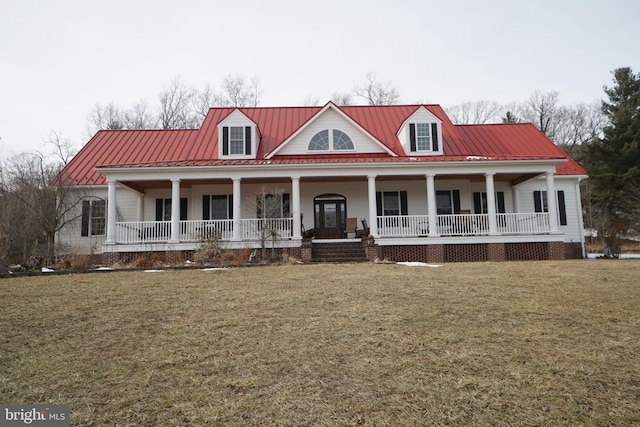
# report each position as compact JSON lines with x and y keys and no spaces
{"x":59,"y":58}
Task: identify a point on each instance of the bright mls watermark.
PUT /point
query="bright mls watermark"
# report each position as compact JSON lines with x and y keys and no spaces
{"x":34,"y":415}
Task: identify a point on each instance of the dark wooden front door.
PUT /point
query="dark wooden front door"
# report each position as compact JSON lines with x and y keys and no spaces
{"x":330,"y":214}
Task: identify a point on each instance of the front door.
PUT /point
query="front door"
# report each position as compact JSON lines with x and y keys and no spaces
{"x":330,"y":216}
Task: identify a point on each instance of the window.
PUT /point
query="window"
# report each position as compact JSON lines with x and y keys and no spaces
{"x":336,"y":140}
{"x":320,"y":141}
{"x":93,"y":218}
{"x":540,"y":204}
{"x":341,"y":141}
{"x":447,"y":202}
{"x":217,"y":206}
{"x":163,"y":209}
{"x":423,"y":137}
{"x":272,"y":205}
{"x":480,"y":203}
{"x":391,"y":203}
{"x":236,"y":140}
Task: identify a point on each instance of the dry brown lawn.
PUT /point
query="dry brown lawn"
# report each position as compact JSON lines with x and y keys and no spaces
{"x":530,"y":343}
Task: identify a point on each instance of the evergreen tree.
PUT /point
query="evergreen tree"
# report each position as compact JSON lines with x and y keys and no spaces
{"x":613,"y":162}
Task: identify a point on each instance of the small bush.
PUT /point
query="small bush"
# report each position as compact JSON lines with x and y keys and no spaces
{"x":209,"y":251}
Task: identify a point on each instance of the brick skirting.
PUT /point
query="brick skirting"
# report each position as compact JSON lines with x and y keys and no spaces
{"x":436,"y":253}
{"x":483,"y":252}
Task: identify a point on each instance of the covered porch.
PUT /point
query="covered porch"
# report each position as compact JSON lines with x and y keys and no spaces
{"x":397,"y":207}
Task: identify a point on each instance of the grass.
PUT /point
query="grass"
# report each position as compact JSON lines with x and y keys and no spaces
{"x":531,"y":343}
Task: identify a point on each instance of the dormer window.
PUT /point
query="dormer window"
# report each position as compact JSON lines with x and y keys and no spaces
{"x":423,"y":137}
{"x":236,"y":140}
{"x":331,"y":140}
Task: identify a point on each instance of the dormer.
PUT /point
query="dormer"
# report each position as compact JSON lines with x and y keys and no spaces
{"x":420,"y":134}
{"x":238,"y":137}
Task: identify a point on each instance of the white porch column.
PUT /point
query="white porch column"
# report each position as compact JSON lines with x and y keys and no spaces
{"x":551,"y":204}
{"x":175,"y":210}
{"x":111,"y":212}
{"x":140,"y":206}
{"x":237,"y":211}
{"x":431,"y":205}
{"x":295,"y":200}
{"x":491,"y":203}
{"x":373,"y":211}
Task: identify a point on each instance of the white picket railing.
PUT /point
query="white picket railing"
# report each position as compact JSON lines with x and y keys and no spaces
{"x":462,"y":224}
{"x":136,"y":232}
{"x":523,"y":223}
{"x":267,"y":228}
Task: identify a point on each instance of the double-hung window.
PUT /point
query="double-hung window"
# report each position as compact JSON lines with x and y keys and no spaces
{"x":236,"y":140}
{"x":423,"y":137}
{"x":217,"y":206}
{"x":540,"y":204}
{"x":447,"y":202}
{"x":93,"y":218}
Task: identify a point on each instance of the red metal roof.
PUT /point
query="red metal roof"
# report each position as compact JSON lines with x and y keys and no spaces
{"x":147,"y":148}
{"x":516,"y":139}
{"x":126,"y":147}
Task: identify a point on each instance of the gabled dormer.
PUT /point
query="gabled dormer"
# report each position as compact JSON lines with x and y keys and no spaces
{"x":421,"y":134}
{"x":238,"y":137}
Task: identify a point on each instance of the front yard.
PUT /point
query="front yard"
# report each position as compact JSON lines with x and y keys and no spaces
{"x":511,"y":343}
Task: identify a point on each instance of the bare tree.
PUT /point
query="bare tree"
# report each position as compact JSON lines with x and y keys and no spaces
{"x":176,"y":107}
{"x":310,"y":101}
{"x":109,"y":117}
{"x":376,"y":93}
{"x":270,"y":209}
{"x":475,"y":112}
{"x":342,"y":98}
{"x":41,"y":201}
{"x":239,"y":91}
{"x":140,"y":116}
{"x":543,"y":111}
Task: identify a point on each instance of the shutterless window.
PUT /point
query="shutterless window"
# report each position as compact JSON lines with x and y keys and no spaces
{"x":93,"y":218}
{"x":236,"y":140}
{"x":423,"y":137}
{"x":341,"y":141}
{"x":326,"y":141}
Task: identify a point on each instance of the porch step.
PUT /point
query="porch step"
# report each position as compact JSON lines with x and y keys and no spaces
{"x":338,"y":252}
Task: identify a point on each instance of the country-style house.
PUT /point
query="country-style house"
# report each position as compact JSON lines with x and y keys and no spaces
{"x":403,"y":180}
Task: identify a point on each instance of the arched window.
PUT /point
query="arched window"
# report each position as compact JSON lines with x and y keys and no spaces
{"x":320,"y":141}
{"x":336,"y":140}
{"x":341,"y":141}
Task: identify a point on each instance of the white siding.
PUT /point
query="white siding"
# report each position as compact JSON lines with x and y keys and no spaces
{"x":572,"y":231}
{"x":422,"y":115}
{"x":69,"y":240}
{"x":330,"y":119}
{"x":238,"y":119}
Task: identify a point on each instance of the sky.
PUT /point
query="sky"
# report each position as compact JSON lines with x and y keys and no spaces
{"x":58,"y":59}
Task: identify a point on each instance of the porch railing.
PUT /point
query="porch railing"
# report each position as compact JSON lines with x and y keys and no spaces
{"x":143,"y":231}
{"x":463,"y":224}
{"x":197,"y":230}
{"x":281,"y":228}
{"x":523,"y":223}
{"x":267,"y":228}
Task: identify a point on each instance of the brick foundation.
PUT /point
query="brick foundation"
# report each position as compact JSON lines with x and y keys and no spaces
{"x":466,"y":253}
{"x":526,"y":251}
{"x":496,"y":252}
